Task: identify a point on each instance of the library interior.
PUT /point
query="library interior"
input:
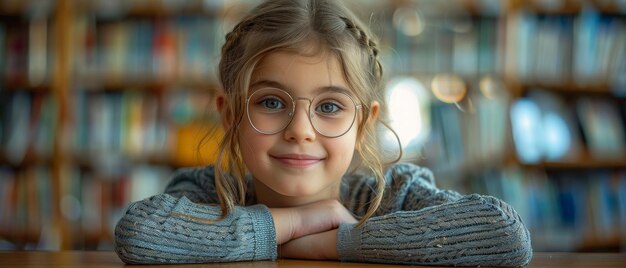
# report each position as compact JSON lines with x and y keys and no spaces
{"x":102,"y":100}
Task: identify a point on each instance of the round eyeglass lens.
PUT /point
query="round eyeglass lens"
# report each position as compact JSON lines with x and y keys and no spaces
{"x":332,"y":113}
{"x":269,"y":110}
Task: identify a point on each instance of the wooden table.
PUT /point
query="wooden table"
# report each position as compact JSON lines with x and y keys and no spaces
{"x":97,"y":259}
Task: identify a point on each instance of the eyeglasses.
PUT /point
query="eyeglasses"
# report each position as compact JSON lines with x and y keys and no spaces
{"x":331,"y":113}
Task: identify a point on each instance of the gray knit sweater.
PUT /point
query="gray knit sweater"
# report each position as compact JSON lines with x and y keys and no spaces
{"x":416,"y":224}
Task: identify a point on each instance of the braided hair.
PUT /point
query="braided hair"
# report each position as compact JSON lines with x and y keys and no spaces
{"x":305,"y":27}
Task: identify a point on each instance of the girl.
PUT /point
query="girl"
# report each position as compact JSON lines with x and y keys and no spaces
{"x":302,"y":94}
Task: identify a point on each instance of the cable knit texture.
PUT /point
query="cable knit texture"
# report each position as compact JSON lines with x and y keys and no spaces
{"x":415,"y":224}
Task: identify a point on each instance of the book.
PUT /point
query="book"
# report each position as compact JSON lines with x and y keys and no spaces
{"x":3,"y":51}
{"x":18,"y":131}
{"x":603,"y":128}
{"x":48,"y":238}
{"x":7,"y":186}
{"x":44,"y":126}
{"x":620,"y":186}
{"x":38,"y":50}
{"x":15,"y":55}
{"x":585,"y":47}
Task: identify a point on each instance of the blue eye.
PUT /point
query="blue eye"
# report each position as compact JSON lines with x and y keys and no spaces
{"x":272,"y":103}
{"x":328,"y":108}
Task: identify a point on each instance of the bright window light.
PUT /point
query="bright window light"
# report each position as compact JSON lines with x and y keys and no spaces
{"x":539,"y":135}
{"x":526,"y":123}
{"x":558,"y":138}
{"x":409,"y":113}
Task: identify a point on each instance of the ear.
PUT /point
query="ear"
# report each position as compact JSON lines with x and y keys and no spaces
{"x":373,"y":114}
{"x":372,"y":117}
{"x":225,"y":113}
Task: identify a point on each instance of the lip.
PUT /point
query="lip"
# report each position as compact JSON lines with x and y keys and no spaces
{"x":298,"y":160}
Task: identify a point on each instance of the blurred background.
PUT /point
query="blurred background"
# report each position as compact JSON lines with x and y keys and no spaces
{"x":101,"y":100}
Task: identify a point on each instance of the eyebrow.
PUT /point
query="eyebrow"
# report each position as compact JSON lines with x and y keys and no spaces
{"x":276,"y":84}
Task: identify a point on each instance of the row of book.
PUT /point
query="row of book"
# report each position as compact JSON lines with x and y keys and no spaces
{"x":547,"y":127}
{"x":28,"y":126}
{"x":587,"y":48}
{"x":27,"y":8}
{"x":26,"y":200}
{"x":544,"y":127}
{"x":25,"y":57}
{"x":182,"y":48}
{"x":569,"y":210}
{"x":117,"y":8}
{"x":90,"y":204}
{"x":465,"y":46}
{"x":117,"y":125}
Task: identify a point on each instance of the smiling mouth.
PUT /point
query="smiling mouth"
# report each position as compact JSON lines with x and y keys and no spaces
{"x":298,"y":161}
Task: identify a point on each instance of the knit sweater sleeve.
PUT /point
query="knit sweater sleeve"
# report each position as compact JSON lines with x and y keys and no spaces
{"x":419,"y":224}
{"x":181,"y":226}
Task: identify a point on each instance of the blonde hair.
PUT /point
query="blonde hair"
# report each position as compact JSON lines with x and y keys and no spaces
{"x":293,"y":25}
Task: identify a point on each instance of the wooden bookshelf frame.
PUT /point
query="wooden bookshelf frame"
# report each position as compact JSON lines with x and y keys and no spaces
{"x":61,"y":83}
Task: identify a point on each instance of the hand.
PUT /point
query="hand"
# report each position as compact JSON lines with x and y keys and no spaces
{"x":321,"y":216}
{"x":320,"y":246}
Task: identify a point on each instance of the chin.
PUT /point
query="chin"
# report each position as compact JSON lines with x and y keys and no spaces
{"x":299,"y":192}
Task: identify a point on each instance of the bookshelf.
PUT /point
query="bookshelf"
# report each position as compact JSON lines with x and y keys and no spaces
{"x":101,"y":101}
{"x":142,"y":95}
{"x":561,"y":62}
{"x":27,"y":93}
{"x":569,"y":60}
{"x":120,"y":95}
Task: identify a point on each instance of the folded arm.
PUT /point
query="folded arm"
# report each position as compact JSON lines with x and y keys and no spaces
{"x":168,"y":229}
{"x":181,"y":226}
{"x":420,"y":224}
{"x":472,"y":231}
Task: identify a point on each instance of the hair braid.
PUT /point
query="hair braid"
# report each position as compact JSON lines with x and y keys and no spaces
{"x":371,"y":46}
{"x":233,"y":36}
{"x":231,"y":50}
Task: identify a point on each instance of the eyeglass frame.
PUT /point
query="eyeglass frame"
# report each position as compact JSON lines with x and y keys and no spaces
{"x":292,"y":113}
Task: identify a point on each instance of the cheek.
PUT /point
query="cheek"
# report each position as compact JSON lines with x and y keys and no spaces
{"x":251,"y":143}
{"x":343,"y":147}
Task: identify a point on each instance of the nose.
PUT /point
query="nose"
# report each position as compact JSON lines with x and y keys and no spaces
{"x":300,"y":129}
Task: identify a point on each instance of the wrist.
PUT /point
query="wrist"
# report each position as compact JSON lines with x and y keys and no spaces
{"x":319,"y":246}
{"x":283,"y":224}
{"x":330,"y":252}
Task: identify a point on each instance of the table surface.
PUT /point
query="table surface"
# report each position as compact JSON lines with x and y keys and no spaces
{"x":96,"y":259}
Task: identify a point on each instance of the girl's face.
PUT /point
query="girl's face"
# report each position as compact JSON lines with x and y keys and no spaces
{"x":297,"y":165}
